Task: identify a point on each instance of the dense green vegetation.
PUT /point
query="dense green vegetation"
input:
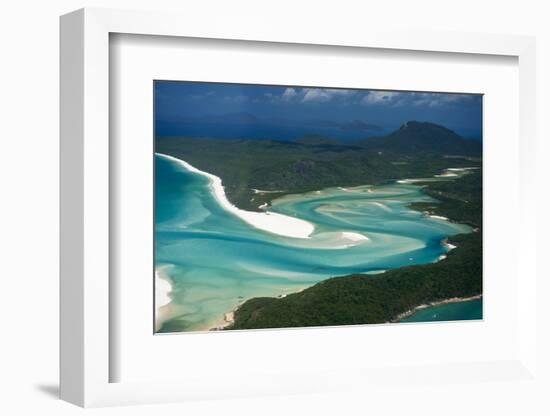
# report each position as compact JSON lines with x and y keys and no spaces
{"x":315,"y":163}
{"x":364,"y":299}
{"x":459,"y":199}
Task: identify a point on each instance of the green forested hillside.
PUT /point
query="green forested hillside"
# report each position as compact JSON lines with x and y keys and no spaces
{"x":315,"y":162}
{"x":460,"y":200}
{"x":424,"y":138}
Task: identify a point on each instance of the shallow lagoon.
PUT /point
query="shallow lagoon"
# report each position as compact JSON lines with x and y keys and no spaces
{"x":214,"y":260}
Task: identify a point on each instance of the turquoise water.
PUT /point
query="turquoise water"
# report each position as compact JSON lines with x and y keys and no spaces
{"x":214,"y":260}
{"x":469,"y":310}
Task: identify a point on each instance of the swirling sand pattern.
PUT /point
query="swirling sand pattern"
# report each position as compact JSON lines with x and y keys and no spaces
{"x":215,"y":260}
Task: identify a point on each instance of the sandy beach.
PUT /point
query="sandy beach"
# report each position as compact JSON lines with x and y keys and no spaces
{"x":228,"y":319}
{"x":448,"y":245}
{"x":462,"y":169}
{"x":260,"y":191}
{"x":267,"y":221}
{"x":162,"y":298}
{"x":449,"y":173}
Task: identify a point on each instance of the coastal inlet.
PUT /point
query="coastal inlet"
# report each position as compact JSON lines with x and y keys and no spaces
{"x":211,"y":256}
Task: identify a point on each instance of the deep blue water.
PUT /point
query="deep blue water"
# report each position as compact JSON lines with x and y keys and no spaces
{"x":282,"y":131}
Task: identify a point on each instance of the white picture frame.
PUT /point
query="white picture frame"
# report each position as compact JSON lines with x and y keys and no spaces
{"x":85,"y":211}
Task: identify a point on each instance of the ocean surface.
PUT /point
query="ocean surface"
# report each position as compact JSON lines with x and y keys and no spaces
{"x":469,"y":310}
{"x":275,"y":131}
{"x":214,"y":260}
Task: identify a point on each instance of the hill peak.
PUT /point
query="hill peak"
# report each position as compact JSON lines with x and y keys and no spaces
{"x":424,"y":137}
{"x":415,"y":125}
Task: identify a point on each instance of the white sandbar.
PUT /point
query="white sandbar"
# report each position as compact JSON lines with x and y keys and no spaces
{"x":162,"y":298}
{"x":267,"y":221}
{"x":162,"y":289}
{"x":261,"y":191}
{"x":350,"y":239}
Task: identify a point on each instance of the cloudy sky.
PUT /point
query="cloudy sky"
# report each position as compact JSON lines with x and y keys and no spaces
{"x":179,"y":103}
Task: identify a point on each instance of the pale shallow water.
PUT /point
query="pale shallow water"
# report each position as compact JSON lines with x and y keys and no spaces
{"x":214,"y":260}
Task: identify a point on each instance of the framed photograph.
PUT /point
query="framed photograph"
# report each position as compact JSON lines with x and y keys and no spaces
{"x":319,"y":215}
{"x":270,"y":212}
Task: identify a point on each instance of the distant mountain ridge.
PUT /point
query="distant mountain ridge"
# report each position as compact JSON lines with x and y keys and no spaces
{"x":411,"y":137}
{"x":243,"y":117}
{"x":247,"y":125}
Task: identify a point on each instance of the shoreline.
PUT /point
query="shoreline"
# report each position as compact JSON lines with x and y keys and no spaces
{"x":412,"y":311}
{"x":271,"y":222}
{"x":229,"y":317}
{"x":163,"y":288}
{"x":448,"y":173}
{"x":228,"y":320}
